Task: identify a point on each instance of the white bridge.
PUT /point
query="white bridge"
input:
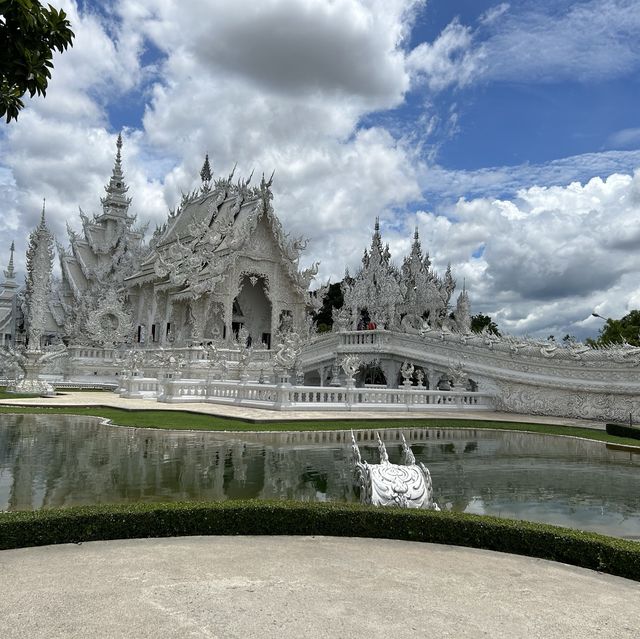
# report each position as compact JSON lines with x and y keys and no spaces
{"x":523,"y":376}
{"x":506,"y":374}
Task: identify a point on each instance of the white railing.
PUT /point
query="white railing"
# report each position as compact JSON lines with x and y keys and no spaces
{"x":357,"y":338}
{"x":287,"y":397}
{"x":139,"y":387}
{"x":90,"y":352}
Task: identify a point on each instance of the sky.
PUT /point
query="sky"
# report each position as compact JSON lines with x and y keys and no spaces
{"x":507,"y":132}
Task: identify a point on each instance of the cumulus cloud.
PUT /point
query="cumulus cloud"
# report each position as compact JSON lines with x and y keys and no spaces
{"x":286,"y":85}
{"x":276,"y":85}
{"x":61,"y":147}
{"x":549,"y":256}
{"x":283,"y":85}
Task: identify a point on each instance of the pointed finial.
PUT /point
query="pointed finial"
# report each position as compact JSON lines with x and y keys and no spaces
{"x":10,"y":273}
{"x":205,"y":173}
{"x":415,"y":234}
{"x":377,"y":224}
{"x":42,"y":221}
{"x":464,"y":284}
{"x":116,"y":202}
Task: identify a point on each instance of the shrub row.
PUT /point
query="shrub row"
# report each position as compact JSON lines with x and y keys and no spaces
{"x":74,"y":525}
{"x":624,"y":430}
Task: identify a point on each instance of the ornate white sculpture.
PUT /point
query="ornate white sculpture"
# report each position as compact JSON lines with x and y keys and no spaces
{"x":95,"y":268}
{"x":33,"y":359}
{"x":385,"y":484}
{"x":38,"y":289}
{"x":287,"y":350}
{"x":110,"y":323}
{"x":402,"y":298}
{"x":221,"y":261}
{"x":31,"y":364}
{"x":350,"y":365}
{"x":406,"y":370}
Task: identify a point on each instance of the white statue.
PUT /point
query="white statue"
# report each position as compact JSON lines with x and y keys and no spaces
{"x":407,"y":485}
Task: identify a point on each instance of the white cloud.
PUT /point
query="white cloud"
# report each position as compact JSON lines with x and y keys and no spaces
{"x":451,"y":60}
{"x":276,"y":85}
{"x":551,"y":254}
{"x":507,"y":180}
{"x":547,"y":255}
{"x":581,"y":41}
{"x":578,"y":41}
{"x":625,"y":139}
{"x":350,"y":47}
{"x":283,"y":85}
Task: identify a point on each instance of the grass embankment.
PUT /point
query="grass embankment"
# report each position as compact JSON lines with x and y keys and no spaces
{"x":186,"y":420}
{"x":5,"y":394}
{"x":588,"y":550}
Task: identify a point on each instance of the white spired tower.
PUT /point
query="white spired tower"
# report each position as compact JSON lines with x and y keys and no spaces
{"x":39,"y":265}
{"x":38,"y":288}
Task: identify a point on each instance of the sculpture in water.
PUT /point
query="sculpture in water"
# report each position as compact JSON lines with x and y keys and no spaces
{"x":406,"y":485}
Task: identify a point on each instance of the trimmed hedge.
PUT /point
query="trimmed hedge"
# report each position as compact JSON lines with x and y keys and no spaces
{"x":623,"y":430}
{"x":75,"y":525}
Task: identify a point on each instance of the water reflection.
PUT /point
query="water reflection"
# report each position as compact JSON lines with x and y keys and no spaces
{"x":48,"y":461}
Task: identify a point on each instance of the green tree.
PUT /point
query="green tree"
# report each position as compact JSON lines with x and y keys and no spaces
{"x":615,"y":331}
{"x":29,"y":33}
{"x":480,"y":321}
{"x":333,"y":299}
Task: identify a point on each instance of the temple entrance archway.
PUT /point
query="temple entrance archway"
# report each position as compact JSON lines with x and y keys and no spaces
{"x":252,"y":310}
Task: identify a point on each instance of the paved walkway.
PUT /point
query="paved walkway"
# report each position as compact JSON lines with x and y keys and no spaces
{"x":281,"y":587}
{"x":113,"y":400}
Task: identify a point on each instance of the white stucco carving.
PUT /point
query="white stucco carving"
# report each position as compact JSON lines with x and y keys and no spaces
{"x":218,"y":294}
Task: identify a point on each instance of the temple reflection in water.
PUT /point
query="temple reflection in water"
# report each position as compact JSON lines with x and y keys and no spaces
{"x":48,"y":461}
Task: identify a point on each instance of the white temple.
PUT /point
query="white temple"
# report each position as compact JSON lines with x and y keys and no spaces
{"x":215,"y":308}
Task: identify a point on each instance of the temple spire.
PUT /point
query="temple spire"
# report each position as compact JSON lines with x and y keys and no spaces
{"x":376,"y":240}
{"x":9,"y":272}
{"x":42,"y":220}
{"x":116,"y":203}
{"x":205,"y":173}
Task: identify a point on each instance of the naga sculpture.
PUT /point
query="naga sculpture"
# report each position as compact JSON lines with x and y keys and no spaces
{"x":406,"y":485}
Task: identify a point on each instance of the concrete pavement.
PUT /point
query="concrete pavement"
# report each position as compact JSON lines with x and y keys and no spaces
{"x":281,"y":587}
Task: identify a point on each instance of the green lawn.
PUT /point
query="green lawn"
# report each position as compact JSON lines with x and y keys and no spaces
{"x":6,"y":395}
{"x":185,"y":420}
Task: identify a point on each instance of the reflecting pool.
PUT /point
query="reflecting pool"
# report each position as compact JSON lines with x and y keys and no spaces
{"x":57,"y":460}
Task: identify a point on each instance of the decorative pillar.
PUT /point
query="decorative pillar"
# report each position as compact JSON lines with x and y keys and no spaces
{"x":391,"y":369}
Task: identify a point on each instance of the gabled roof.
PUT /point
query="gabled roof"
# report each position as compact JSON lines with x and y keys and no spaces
{"x":203,"y":238}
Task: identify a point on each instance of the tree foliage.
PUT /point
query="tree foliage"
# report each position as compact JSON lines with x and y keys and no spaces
{"x":29,"y":34}
{"x":333,"y":299}
{"x":617,"y":331}
{"x":479,"y":322}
